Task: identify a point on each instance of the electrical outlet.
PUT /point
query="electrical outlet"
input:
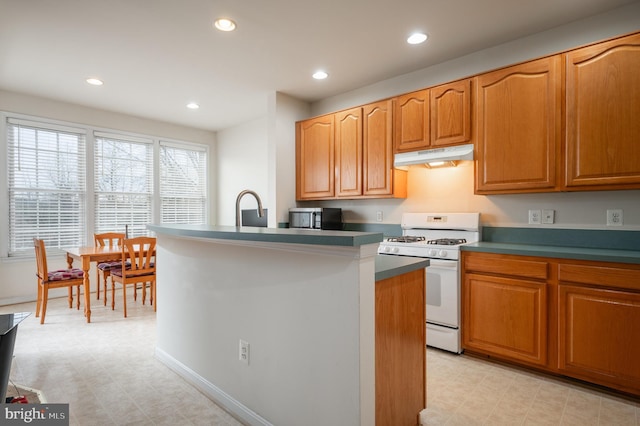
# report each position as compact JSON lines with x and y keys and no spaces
{"x":379,"y":216}
{"x":548,"y":216}
{"x":243,"y":353}
{"x":535,"y":217}
{"x":614,"y":217}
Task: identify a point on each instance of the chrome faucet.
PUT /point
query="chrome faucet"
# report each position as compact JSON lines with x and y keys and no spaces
{"x":242,"y":194}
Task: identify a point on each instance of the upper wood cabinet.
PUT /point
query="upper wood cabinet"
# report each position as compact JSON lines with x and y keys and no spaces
{"x":412,"y":121}
{"x":378,"y":148}
{"x":348,"y":154}
{"x":603,"y":115}
{"x":451,"y":113}
{"x":315,"y":175}
{"x":433,"y":117}
{"x":519,"y":127}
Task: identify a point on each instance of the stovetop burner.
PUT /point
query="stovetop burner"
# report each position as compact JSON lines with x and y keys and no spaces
{"x":406,"y":239}
{"x":448,"y":241}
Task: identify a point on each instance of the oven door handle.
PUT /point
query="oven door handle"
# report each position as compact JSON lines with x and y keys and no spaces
{"x":440,"y":263}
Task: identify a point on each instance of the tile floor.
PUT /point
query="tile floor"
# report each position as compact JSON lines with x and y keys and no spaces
{"x":463,"y":390}
{"x":107,"y":373}
{"x":106,"y":370}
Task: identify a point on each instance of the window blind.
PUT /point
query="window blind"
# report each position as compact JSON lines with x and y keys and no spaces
{"x":46,"y":182}
{"x":123,"y":176}
{"x":183,"y":184}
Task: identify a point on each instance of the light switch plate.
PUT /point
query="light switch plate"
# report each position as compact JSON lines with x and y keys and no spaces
{"x":548,"y":216}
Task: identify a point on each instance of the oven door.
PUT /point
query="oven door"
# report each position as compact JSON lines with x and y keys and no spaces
{"x":443,"y":293}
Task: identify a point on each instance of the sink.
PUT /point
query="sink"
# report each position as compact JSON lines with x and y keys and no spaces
{"x":251,"y":218}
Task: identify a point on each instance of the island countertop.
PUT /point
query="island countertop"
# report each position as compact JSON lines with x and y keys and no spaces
{"x":389,"y":266}
{"x":271,"y":235}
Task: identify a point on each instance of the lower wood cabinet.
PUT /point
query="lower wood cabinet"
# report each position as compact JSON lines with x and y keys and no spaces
{"x":400,"y":349}
{"x":505,"y":307}
{"x":600,"y":325}
{"x":507,"y":317}
{"x":576,"y":318}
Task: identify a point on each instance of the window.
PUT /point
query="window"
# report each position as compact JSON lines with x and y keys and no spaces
{"x":123,"y":169}
{"x":66,"y":181}
{"x":183,"y":188}
{"x":46,"y":183}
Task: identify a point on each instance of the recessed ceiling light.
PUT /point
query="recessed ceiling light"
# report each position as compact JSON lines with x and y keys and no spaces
{"x":417,"y":38}
{"x":320,"y":75}
{"x":225,"y":24}
{"x":193,"y":105}
{"x":95,"y":81}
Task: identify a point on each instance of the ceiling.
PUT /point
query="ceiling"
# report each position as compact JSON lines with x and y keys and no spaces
{"x":155,"y":56}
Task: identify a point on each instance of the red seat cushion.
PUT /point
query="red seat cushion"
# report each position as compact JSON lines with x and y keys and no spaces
{"x":107,"y":266}
{"x":65,"y":274}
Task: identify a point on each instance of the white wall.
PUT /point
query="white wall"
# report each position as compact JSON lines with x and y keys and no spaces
{"x":310,"y":327}
{"x":242,"y":153}
{"x":260,"y":155}
{"x":452,"y":189}
{"x":284,"y":111}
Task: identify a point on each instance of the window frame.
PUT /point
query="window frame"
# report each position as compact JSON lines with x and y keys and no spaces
{"x":89,"y":195}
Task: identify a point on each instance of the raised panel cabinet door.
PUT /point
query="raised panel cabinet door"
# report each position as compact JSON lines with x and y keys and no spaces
{"x":412,"y":121}
{"x":451,"y":113}
{"x":348,"y":145}
{"x":315,"y":174}
{"x":519,"y":128}
{"x":505,"y":317}
{"x":600,"y":336}
{"x":377,"y":164}
{"x":603,"y":115}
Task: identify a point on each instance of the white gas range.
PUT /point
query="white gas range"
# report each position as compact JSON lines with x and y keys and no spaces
{"x":438,"y":236}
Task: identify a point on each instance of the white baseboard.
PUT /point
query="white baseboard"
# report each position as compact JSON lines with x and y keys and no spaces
{"x":220,"y":397}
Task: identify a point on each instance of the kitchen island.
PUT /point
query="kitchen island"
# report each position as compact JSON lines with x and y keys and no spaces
{"x":278,"y":326}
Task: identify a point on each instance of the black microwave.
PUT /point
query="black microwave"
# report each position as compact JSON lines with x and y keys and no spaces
{"x":315,"y":218}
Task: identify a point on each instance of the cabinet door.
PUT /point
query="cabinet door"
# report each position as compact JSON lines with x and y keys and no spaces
{"x":412,"y":121}
{"x":451,"y":113}
{"x":349,"y":153}
{"x":378,"y":149}
{"x":603,"y":115}
{"x":600,"y":336}
{"x":315,"y":174}
{"x":519,"y":128}
{"x":506,"y":317}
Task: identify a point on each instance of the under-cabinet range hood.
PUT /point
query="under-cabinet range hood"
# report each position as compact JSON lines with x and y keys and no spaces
{"x":445,"y":155}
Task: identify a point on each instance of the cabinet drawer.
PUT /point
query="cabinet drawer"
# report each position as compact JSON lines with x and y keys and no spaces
{"x":600,"y":276}
{"x":506,"y":265}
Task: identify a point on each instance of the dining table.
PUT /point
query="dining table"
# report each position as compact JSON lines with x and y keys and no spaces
{"x":86,"y":255}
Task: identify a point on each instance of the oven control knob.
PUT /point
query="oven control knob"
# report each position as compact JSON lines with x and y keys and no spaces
{"x":396,"y":249}
{"x":432,"y":252}
{"x":387,"y":249}
{"x":442,"y":253}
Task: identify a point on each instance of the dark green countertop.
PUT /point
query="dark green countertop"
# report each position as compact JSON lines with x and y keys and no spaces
{"x":578,"y":253}
{"x":388,"y":266}
{"x":271,"y":235}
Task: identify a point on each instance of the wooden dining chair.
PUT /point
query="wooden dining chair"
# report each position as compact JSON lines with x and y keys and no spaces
{"x":53,"y":279}
{"x":139,"y":252}
{"x":107,"y":239}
